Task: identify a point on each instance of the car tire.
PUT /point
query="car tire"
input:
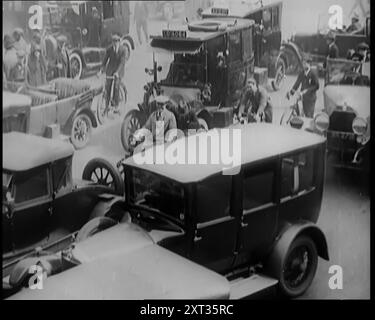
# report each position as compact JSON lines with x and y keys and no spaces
{"x":93,"y":227}
{"x":279,"y":80}
{"x":286,"y":267}
{"x":104,"y":173}
{"x":81,"y":131}
{"x":77,"y":64}
{"x":132,"y":122}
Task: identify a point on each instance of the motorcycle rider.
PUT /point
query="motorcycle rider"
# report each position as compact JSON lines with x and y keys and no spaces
{"x":114,"y":65}
{"x":308,"y":82}
{"x":255,"y":103}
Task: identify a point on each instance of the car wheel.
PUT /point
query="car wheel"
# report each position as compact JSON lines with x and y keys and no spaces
{"x":298,"y":267}
{"x":279,"y":80}
{"x":76,"y":66}
{"x":104,"y":173}
{"x":94,"y":226}
{"x":132,"y":122}
{"x":81,"y":131}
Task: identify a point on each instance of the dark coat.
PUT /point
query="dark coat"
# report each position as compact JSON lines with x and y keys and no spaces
{"x":309,"y":82}
{"x":115,"y":62}
{"x":333,"y":51}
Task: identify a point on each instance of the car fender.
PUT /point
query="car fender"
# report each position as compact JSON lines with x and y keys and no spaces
{"x":68,"y":126}
{"x":106,"y":203}
{"x":286,"y":49}
{"x":292,"y":231}
{"x":129,"y":39}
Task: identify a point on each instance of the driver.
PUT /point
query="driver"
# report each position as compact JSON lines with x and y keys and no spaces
{"x":255,"y":100}
{"x":362,"y":53}
{"x":161,"y":120}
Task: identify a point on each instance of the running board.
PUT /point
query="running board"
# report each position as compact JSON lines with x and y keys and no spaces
{"x":245,"y":287}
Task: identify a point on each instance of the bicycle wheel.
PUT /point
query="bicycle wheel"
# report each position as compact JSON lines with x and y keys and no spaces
{"x":101,"y":110}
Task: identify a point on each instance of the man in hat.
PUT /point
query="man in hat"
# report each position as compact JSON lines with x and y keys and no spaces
{"x":161,"y":120}
{"x":36,"y":69}
{"x":94,"y":27}
{"x":114,"y":65}
{"x":355,"y":25}
{"x":362,"y":53}
{"x":255,"y":102}
{"x":20,"y":43}
{"x":62,"y":62}
{"x":308,"y":83}
{"x":333,"y":50}
{"x":10,"y":59}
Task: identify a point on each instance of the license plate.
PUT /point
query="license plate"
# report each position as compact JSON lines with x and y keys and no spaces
{"x":180,"y":34}
{"x":343,"y":135}
{"x":220,"y":11}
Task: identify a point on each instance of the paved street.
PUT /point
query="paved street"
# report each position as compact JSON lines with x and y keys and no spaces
{"x":345,"y":213}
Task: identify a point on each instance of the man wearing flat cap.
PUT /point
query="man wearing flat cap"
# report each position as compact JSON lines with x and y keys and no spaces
{"x":114,"y":66}
{"x":308,"y":83}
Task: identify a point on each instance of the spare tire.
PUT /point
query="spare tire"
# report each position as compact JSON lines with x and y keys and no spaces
{"x":94,"y":226}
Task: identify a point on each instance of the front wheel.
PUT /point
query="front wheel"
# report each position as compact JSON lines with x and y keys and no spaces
{"x":76,"y":66}
{"x":104,"y":173}
{"x":279,"y":80}
{"x":132,"y":122}
{"x":81,"y":131}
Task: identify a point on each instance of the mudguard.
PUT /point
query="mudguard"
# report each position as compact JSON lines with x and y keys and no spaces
{"x":130,"y":40}
{"x":128,"y":264}
{"x":68,"y":125}
{"x":288,"y":48}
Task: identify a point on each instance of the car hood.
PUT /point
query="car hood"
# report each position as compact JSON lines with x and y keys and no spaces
{"x":125,"y":263}
{"x":355,"y":97}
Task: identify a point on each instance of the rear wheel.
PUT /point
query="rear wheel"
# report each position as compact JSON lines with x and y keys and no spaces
{"x":132,"y":122}
{"x":104,"y":173}
{"x":81,"y":131}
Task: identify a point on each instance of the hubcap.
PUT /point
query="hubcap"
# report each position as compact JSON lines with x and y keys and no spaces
{"x":81,"y":129}
{"x":297,"y":267}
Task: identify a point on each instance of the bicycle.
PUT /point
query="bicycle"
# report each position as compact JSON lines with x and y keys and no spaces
{"x":293,"y":111}
{"x":105,"y":105}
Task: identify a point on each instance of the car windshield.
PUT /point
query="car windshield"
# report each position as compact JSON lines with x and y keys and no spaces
{"x":186,"y":70}
{"x":346,"y":72}
{"x":62,"y":16}
{"x":152,"y":191}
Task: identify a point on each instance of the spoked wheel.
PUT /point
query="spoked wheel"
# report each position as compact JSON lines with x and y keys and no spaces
{"x":76,"y":66}
{"x":104,"y":173}
{"x":299,"y":267}
{"x":81,"y":131}
{"x":102,"y":112}
{"x":279,"y":80}
{"x":132,"y":122}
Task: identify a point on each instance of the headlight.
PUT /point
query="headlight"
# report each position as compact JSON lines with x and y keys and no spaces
{"x":296,"y":123}
{"x":84,"y":31}
{"x":359,"y":126}
{"x":321,"y":122}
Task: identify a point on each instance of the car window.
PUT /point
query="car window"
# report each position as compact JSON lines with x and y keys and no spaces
{"x":267,"y":17}
{"x":61,"y":174}
{"x":235,"y":51}
{"x":297,"y":173}
{"x":257,"y":189}
{"x":213,"y":198}
{"x":275,"y":18}
{"x":30,"y":186}
{"x":247,"y":43}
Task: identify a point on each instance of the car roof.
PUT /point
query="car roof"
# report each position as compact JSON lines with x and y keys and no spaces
{"x":23,"y":152}
{"x":232,"y":25}
{"x":258,"y":142}
{"x":238,"y":9}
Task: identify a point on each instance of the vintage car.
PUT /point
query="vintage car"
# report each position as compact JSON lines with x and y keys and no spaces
{"x":208,"y":72}
{"x":347,"y":103}
{"x":42,"y":204}
{"x":316,"y":44}
{"x":63,"y":106}
{"x":268,"y":49}
{"x":169,"y":241}
{"x":72,"y":19}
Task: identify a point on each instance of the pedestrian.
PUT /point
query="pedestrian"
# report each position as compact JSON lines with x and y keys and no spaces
{"x":36,"y":69}
{"x":333,"y":50}
{"x":140,"y":20}
{"x":62,"y":62}
{"x":114,"y":66}
{"x":20,"y":43}
{"x":255,"y":102}
{"x":308,"y":81}
{"x":10,"y":59}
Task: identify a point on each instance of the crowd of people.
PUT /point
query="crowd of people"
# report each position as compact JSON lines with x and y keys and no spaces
{"x":27,"y":60}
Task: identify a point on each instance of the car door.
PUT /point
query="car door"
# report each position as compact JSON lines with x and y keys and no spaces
{"x":259,"y":209}
{"x":214,"y":238}
{"x":30,"y":220}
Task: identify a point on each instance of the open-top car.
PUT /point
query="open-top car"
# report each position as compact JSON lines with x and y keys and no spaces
{"x":316,"y":44}
{"x":268,"y":49}
{"x":42,"y":204}
{"x":211,"y":60}
{"x":347,"y":103}
{"x":193,"y":231}
{"x":61,"y":107}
